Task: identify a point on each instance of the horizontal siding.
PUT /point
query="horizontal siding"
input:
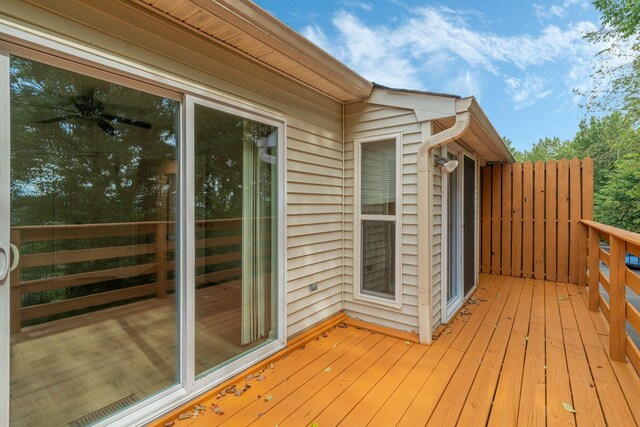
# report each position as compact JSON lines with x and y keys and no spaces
{"x":437,"y":245}
{"x":315,"y":156}
{"x":367,"y":120}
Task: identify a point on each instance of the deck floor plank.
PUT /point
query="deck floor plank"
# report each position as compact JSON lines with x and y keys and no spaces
{"x":453,"y":399}
{"x":558,"y":384}
{"x":478,"y":404}
{"x":512,"y":356}
{"x":507,"y":396}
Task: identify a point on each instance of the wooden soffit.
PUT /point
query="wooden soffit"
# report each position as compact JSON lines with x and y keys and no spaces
{"x":248,"y":29}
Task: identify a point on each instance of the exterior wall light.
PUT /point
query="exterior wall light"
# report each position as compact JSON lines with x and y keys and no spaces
{"x":446,"y":163}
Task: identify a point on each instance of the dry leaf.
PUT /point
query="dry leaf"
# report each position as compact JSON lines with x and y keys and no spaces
{"x":268,"y":398}
{"x":261,"y":378}
{"x":200,"y":408}
{"x":407,"y":342}
{"x":327,"y":369}
{"x":216,"y":409}
{"x":169,"y":424}
{"x":271,"y":366}
{"x":250,"y":377}
{"x":184,"y":416}
{"x":568,"y":407}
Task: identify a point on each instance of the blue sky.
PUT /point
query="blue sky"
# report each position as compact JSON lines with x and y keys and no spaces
{"x":521,"y":59}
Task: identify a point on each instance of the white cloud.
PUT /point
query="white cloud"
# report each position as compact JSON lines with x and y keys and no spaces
{"x":557,"y":10}
{"x":464,"y":83}
{"x":438,"y":42}
{"x":526,"y":91}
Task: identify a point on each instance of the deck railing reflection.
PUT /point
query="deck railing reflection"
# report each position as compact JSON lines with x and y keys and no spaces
{"x":66,"y":270}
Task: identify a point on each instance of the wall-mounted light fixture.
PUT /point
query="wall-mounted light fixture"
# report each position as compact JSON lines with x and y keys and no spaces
{"x":446,"y":163}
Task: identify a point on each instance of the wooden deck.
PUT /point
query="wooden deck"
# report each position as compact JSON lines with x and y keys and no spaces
{"x":521,"y":352}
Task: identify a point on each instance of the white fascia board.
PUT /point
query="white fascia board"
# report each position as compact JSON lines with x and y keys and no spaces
{"x":426,"y":107}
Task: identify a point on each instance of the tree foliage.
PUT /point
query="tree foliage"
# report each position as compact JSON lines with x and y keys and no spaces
{"x":613,"y":142}
{"x":616,"y":77}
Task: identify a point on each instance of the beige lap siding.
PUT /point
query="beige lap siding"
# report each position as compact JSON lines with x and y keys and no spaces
{"x":368,"y":120}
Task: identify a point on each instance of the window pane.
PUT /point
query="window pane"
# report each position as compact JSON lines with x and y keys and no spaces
{"x":378,"y":177}
{"x":378,"y":258}
{"x":94,"y":313}
{"x":236,"y":236}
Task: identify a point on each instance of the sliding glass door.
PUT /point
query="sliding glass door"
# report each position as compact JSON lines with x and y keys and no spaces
{"x":142,"y":226}
{"x":235,"y":229}
{"x":461,"y":215}
{"x":93,"y":310}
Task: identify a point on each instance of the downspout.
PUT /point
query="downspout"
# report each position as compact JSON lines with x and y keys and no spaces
{"x":425,"y":219}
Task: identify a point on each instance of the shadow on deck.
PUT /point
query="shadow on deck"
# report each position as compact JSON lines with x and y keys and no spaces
{"x":519,"y":351}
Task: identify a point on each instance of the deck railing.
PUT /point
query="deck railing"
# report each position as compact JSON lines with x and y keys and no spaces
{"x":618,"y":310}
{"x":137,"y":257}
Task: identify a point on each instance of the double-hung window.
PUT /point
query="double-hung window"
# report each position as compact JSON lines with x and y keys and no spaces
{"x":377,"y":227}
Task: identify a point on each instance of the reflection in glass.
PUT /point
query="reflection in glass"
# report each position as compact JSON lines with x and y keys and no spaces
{"x":378,"y":188}
{"x":235,"y":206}
{"x":378,"y":258}
{"x":93,"y":312}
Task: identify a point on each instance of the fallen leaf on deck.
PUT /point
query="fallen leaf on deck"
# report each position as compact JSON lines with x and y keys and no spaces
{"x":261,"y":378}
{"x":335,"y":345}
{"x":200,"y":408}
{"x":562,"y":298}
{"x":216,"y":409}
{"x":342,"y":325}
{"x":325,"y":335}
{"x":327,"y":369}
{"x":568,"y":407}
{"x":271,"y":366}
{"x":268,"y":398}
{"x":169,"y":424}
{"x":250,"y":377}
{"x":314,"y":424}
{"x":407,"y":342}
{"x":184,"y":416}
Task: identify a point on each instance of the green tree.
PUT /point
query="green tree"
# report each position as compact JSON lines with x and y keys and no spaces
{"x":619,"y":201}
{"x":547,"y":149}
{"x":514,"y":151}
{"x":616,"y":78}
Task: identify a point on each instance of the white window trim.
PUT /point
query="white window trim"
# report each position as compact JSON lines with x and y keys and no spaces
{"x":55,"y":51}
{"x":395,"y":303}
{"x":447,"y":310}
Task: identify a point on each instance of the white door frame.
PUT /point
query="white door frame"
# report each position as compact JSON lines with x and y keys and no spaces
{"x":78,"y":58}
{"x":5,"y":233}
{"x":448,"y":310}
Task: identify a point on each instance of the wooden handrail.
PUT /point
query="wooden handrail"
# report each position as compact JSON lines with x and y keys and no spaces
{"x":618,"y":311}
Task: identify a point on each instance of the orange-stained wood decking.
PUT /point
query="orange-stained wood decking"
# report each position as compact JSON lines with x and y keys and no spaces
{"x":520,"y":351}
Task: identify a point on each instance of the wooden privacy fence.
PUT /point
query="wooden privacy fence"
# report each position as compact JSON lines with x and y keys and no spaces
{"x":530,"y":216}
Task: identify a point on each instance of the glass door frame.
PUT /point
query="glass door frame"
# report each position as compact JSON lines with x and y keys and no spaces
{"x":450,"y":309}
{"x":40,"y":47}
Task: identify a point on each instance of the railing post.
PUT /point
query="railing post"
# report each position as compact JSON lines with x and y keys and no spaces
{"x":594,"y":269}
{"x":161,"y":258}
{"x":582,"y":270}
{"x":617,"y":301}
{"x":15,"y":292}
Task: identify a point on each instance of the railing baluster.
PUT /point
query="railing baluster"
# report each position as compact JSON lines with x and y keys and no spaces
{"x":161,"y":258}
{"x":582,"y":270}
{"x":594,"y":269}
{"x":617,"y":300}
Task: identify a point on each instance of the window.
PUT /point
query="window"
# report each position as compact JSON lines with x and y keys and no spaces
{"x":377,"y":219}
